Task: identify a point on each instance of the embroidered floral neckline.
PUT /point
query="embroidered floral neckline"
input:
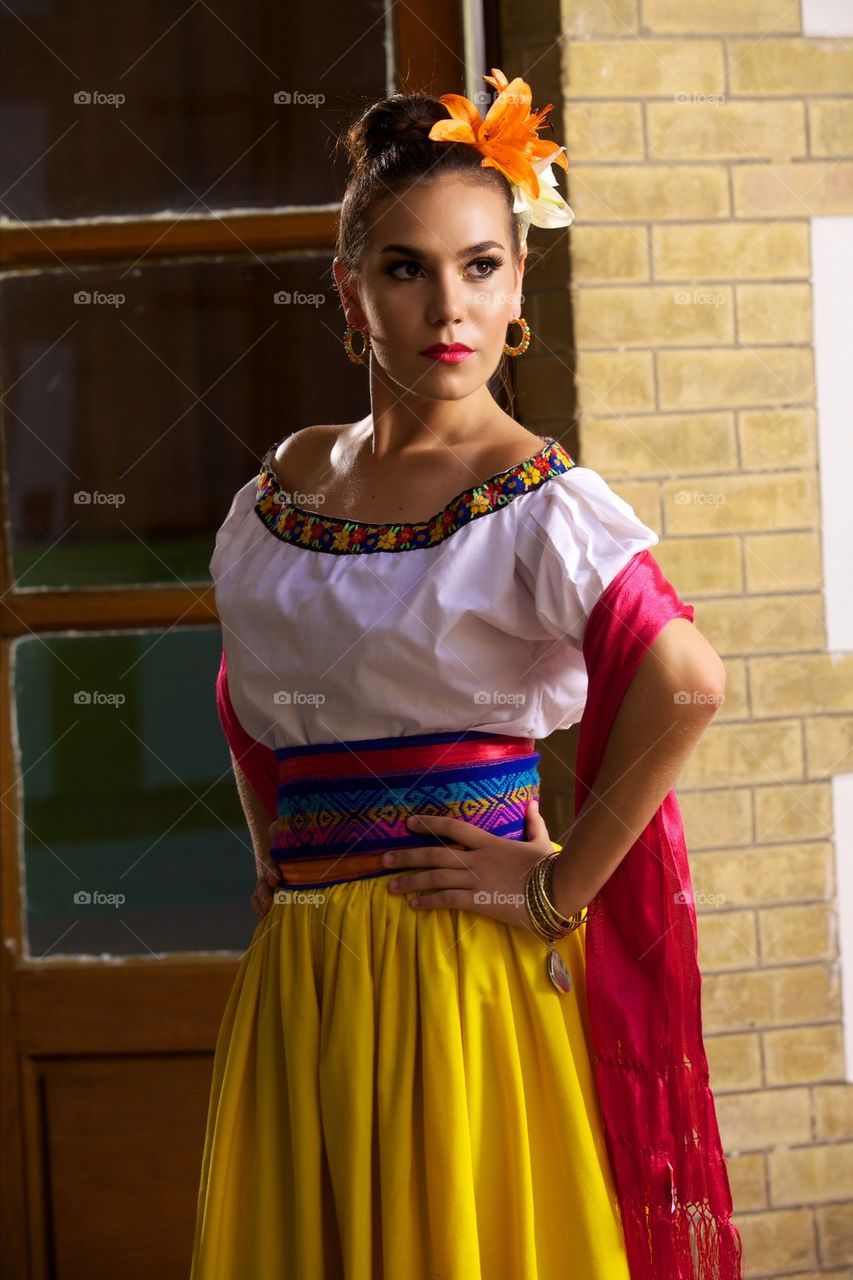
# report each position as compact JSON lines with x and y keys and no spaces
{"x":339,"y":536}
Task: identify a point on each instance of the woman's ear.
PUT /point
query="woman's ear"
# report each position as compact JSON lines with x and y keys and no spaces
{"x":349,"y":297}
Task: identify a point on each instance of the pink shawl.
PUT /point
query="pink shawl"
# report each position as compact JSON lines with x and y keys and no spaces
{"x":643,"y":985}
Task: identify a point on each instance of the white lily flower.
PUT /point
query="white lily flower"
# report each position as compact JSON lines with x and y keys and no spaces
{"x":550,"y":209}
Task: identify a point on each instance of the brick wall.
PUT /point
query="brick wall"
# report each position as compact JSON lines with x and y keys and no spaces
{"x":702,"y":138}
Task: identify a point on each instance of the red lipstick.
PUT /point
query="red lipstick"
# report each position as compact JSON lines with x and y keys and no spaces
{"x":448,"y":353}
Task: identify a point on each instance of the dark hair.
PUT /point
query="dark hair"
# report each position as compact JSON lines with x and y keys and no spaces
{"x":388,"y":149}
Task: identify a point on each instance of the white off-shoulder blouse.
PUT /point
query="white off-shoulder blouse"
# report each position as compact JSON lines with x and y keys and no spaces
{"x":339,"y":629}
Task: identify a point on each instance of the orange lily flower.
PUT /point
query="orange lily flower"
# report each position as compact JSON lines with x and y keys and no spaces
{"x":507,"y":136}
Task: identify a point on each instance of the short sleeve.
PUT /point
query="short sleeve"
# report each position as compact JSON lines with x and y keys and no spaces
{"x":573,"y":536}
{"x":241,"y":504}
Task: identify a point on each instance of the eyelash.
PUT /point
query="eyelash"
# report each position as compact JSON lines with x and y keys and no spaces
{"x":494,"y":263}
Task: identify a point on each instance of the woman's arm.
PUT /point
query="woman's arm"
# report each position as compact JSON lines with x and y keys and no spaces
{"x":669,"y":703}
{"x":258,"y":820}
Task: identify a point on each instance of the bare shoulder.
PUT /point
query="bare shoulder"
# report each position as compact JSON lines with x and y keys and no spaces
{"x":300,"y":444}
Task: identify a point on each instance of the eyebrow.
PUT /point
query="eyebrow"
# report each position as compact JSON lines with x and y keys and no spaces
{"x":464,"y":253}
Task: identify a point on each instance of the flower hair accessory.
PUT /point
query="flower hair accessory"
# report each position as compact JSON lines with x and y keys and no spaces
{"x":508,"y":141}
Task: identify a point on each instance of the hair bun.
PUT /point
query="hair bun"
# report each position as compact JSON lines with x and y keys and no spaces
{"x":402,"y":119}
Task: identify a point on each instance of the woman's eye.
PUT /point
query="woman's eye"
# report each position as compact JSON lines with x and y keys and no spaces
{"x":492,"y":263}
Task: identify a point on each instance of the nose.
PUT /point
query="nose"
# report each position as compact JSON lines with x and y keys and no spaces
{"x":445,"y":303}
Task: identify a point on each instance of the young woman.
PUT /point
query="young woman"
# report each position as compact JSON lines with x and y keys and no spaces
{"x":454,"y":1048}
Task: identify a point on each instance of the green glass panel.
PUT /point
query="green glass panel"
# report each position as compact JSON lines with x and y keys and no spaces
{"x":134,"y":840}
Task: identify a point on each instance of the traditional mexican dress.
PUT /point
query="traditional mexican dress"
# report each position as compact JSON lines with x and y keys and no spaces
{"x":402,"y":1093}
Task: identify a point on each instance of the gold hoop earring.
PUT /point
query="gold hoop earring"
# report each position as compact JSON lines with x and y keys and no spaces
{"x":525,"y":338}
{"x":357,"y":357}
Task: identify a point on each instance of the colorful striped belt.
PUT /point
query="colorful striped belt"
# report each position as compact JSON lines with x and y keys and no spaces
{"x":341,"y":805}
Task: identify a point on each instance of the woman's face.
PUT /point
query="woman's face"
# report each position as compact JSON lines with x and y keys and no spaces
{"x":438,"y":269}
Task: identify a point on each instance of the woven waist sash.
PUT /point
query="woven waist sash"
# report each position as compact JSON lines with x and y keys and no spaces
{"x":341,"y":805}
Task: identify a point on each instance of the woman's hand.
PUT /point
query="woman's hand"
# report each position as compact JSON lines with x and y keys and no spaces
{"x":479,"y":872}
{"x":268,"y":879}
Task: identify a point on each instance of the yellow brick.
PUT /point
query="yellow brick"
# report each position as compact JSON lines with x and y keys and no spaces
{"x":616,"y":254}
{"x":726,"y":130}
{"x":639,"y":68}
{"x":614,"y":193}
{"x":727,"y":939}
{"x":748,"y":1181}
{"x":815,"y":188}
{"x":803,"y":1054}
{"x":833,"y":1105}
{"x":774,"y":313}
{"x":703,"y":566}
{"x":829,"y":745}
{"x":664,"y":445}
{"x":810,"y":682}
{"x":760,"y":1119}
{"x":716,"y":818}
{"x":600,"y":18}
{"x":750,"y":625}
{"x":604,"y":131}
{"x":835,"y":1233}
{"x":731,"y":250}
{"x":793,"y":812}
{"x":734,"y":1061}
{"x":612,"y":382}
{"x":726,"y":504}
{"x":745,"y":752}
{"x":667,"y":315}
{"x":735,"y":377}
{"x":766,"y":874}
{"x":777,"y":1240}
{"x":727,"y":17}
{"x":782,"y":562}
{"x":797,"y":933}
{"x":807,"y":66}
{"x":810,"y":1175}
{"x":777,"y":437}
{"x":769,"y":997}
{"x":831,"y":126}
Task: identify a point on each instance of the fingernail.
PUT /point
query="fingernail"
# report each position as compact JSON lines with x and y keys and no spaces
{"x":414,"y":821}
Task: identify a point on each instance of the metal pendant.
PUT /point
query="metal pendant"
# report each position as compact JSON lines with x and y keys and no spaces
{"x":558,"y":971}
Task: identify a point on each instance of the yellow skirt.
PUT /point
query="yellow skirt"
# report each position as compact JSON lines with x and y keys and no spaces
{"x":402,"y":1092}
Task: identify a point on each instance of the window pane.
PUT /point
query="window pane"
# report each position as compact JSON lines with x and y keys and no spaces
{"x":134,"y":840}
{"x":132,"y":423}
{"x":153,"y":106}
